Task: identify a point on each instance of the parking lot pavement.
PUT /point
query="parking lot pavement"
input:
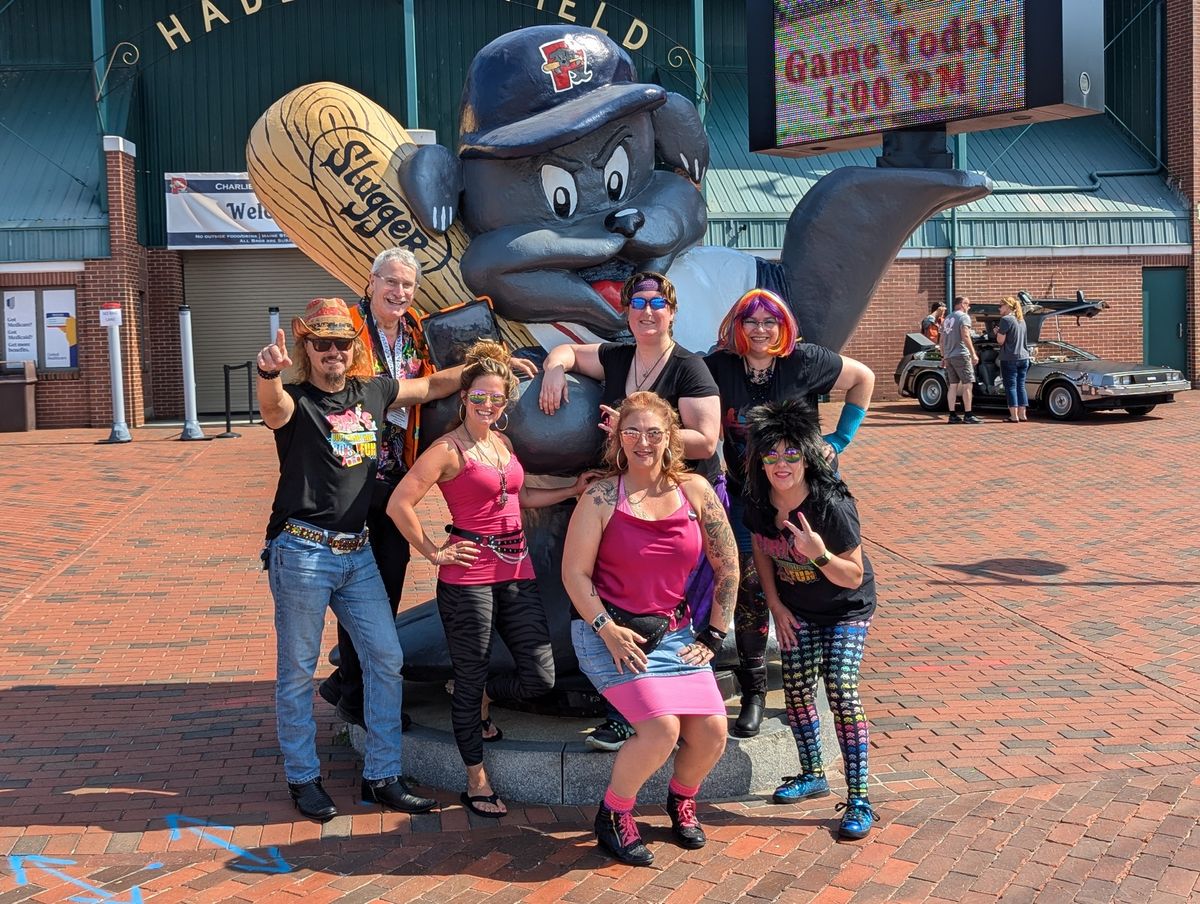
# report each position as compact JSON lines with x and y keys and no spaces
{"x":1032,"y":678}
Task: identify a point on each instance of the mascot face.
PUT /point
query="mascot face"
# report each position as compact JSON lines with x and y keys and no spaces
{"x":572,"y":223}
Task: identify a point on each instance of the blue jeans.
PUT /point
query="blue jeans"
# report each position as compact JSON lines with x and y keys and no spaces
{"x":1014,"y":373}
{"x":306,"y":578}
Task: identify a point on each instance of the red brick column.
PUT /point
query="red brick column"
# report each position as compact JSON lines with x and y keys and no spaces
{"x":1182,"y":97}
{"x":120,"y":277}
{"x":165,"y":270}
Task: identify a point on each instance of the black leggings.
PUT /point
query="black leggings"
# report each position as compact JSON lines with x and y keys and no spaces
{"x":469,"y":612}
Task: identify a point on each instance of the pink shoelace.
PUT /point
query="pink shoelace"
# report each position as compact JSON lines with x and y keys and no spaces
{"x":685,"y":810}
{"x":627,"y":829}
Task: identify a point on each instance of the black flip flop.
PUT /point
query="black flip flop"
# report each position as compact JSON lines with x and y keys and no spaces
{"x":486,"y":725}
{"x":470,"y":802}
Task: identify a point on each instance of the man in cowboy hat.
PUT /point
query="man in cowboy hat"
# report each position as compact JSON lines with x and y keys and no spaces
{"x":317,"y":551}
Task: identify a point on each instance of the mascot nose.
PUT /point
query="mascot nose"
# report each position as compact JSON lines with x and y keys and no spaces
{"x":627,"y":221}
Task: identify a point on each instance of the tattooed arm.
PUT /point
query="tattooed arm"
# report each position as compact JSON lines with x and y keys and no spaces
{"x":720,"y":548}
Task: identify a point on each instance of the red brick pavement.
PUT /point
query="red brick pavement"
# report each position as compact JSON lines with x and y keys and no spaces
{"x":1033,"y":681}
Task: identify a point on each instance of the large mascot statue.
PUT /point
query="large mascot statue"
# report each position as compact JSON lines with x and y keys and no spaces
{"x":570,"y":175}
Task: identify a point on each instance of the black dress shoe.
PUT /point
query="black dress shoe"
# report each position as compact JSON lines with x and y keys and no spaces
{"x":312,"y":801}
{"x":393,"y":794}
{"x":331,"y":689}
{"x":355,"y":716}
{"x":684,"y":824}
{"x":618,"y":834}
{"x":750,"y":718}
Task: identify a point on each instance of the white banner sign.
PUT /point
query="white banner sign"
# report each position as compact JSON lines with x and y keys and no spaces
{"x":20,"y":327}
{"x":218,"y":210}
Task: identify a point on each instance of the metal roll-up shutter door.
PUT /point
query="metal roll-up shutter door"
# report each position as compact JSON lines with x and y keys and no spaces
{"x":229,"y":293}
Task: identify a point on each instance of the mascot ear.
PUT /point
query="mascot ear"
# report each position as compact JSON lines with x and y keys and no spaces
{"x":431,"y":180}
{"x":679,"y":136}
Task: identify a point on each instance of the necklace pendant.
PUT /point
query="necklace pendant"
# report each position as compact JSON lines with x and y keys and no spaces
{"x":503,"y":488}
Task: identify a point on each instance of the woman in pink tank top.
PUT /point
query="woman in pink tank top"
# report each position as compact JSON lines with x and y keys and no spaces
{"x":628,"y":556}
{"x":485,"y":579}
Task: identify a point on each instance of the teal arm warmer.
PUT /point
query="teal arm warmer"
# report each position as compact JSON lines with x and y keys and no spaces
{"x":847,"y":426}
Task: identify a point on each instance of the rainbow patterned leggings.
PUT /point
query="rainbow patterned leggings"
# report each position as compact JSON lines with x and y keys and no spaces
{"x":832,"y":652}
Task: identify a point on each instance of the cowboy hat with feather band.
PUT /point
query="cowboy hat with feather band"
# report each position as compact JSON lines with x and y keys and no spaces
{"x":326,"y":318}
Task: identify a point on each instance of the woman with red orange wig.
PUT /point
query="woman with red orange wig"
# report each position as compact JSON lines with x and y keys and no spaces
{"x":761,"y":357}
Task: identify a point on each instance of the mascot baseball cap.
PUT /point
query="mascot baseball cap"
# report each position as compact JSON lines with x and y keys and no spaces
{"x":536,"y":89}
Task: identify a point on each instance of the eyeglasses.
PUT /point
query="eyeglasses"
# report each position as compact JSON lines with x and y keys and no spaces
{"x":657,"y":303}
{"x":768,"y":323}
{"x":791,"y":456}
{"x":479,"y":397}
{"x":653,"y":436}
{"x":324,"y":345}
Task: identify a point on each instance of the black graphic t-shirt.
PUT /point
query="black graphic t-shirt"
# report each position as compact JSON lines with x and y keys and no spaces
{"x":807,"y":373}
{"x":684,"y":376}
{"x":327,"y":454}
{"x":802,"y":587}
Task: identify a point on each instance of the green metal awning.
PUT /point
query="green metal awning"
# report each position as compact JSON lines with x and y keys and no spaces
{"x":51,"y":200}
{"x":750,"y":196}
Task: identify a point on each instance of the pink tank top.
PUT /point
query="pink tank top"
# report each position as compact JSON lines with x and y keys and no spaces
{"x":473,"y":497}
{"x":644,"y":566}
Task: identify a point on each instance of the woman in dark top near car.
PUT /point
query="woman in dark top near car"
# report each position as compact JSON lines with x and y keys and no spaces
{"x":820,"y":589}
{"x":760,"y":358}
{"x":1014,"y":358}
{"x":655,"y":362}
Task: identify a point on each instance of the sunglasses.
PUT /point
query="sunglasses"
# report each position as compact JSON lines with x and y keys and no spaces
{"x":324,"y":345}
{"x":479,"y":397}
{"x":657,"y":303}
{"x":767,"y":324}
{"x":653,"y":436}
{"x":791,"y":456}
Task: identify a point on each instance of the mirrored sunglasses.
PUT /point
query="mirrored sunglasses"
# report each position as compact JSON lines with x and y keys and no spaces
{"x":791,"y":456}
{"x":479,"y":397}
{"x":324,"y":345}
{"x":657,"y":303}
{"x":653,"y":436}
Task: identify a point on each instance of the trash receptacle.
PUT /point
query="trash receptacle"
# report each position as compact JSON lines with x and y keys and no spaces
{"x":17,"y":411}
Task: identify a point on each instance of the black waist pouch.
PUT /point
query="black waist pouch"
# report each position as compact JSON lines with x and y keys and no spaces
{"x":651,"y":627}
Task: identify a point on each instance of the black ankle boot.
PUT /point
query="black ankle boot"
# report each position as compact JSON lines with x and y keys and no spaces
{"x":618,"y":834}
{"x":393,"y":794}
{"x":312,"y":801}
{"x":750,"y":718}
{"x":684,"y":824}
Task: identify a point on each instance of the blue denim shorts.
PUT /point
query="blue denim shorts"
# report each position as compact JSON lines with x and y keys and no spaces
{"x":597,"y":663}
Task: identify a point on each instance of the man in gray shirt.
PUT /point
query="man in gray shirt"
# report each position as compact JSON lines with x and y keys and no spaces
{"x":959,"y":360}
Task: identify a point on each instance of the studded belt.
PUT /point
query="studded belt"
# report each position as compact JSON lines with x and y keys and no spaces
{"x":508,"y":546}
{"x":338,"y":542}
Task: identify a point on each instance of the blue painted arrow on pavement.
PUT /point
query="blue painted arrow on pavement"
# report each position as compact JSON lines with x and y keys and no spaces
{"x":19,"y":863}
{"x":251,"y":863}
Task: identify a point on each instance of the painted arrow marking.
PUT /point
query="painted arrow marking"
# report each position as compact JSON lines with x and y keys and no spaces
{"x":21,"y":863}
{"x":249,"y":862}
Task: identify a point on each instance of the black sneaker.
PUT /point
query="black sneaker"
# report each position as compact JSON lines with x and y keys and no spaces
{"x":618,"y":834}
{"x":393,"y":794}
{"x":610,"y":735}
{"x":971,"y":419}
{"x":954,"y":419}
{"x":684,"y":824}
{"x":312,"y":801}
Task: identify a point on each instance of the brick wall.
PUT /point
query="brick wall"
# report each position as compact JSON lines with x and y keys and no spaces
{"x":909,"y":286}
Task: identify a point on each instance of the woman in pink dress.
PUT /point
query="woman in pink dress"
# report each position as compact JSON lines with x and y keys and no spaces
{"x":631,"y":546}
{"x":485,"y":579}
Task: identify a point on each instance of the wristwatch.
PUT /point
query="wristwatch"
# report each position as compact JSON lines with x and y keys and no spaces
{"x":823,"y":559}
{"x":600,"y":621}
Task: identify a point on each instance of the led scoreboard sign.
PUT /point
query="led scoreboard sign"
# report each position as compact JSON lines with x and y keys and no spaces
{"x":834,"y":74}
